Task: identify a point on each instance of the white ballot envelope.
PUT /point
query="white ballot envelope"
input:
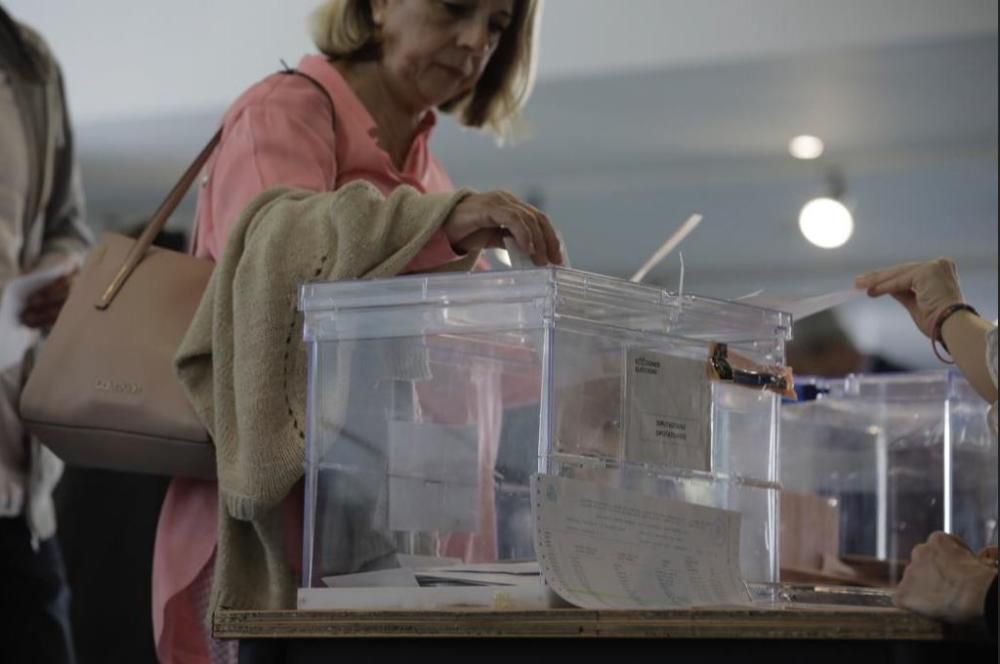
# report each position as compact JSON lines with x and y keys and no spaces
{"x":803,"y":307}
{"x":668,"y":410}
{"x":433,"y":477}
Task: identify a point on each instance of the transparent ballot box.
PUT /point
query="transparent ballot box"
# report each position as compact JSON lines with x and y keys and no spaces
{"x":433,"y":399}
{"x":873,"y":464}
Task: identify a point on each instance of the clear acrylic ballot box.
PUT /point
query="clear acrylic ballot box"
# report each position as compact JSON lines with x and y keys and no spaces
{"x":432,"y":399}
{"x":891,"y":458}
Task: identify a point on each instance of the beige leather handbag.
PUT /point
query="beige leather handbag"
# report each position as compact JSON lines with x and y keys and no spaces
{"x":103,"y":391}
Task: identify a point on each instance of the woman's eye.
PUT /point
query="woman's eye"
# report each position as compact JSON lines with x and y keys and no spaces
{"x":456,"y":8}
{"x":497,"y":28}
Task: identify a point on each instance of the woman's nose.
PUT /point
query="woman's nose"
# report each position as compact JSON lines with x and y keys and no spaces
{"x":475,"y":37}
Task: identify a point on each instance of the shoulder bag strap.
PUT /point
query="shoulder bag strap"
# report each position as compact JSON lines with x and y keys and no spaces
{"x":156,"y":224}
{"x":174,"y":198}
{"x":319,"y":86}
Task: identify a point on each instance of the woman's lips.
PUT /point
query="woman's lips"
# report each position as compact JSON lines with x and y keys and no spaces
{"x":457,"y":72}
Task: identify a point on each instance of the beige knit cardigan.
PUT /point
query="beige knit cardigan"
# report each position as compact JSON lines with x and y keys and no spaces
{"x":242,"y":362}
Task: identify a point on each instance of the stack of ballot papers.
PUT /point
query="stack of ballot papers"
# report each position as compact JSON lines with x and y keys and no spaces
{"x":455,"y":575}
{"x":598,"y":547}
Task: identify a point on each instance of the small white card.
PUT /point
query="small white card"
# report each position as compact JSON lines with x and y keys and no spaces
{"x":429,"y":451}
{"x":433,"y":477}
{"x":604,"y":548}
{"x":433,"y":506}
{"x":668,"y":410}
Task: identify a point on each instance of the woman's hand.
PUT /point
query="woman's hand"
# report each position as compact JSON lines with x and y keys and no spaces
{"x":925,"y":289}
{"x":945,"y":580}
{"x":43,"y":306}
{"x":482,"y":220}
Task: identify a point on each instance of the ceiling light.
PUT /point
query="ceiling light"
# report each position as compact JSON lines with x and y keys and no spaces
{"x":805,"y":147}
{"x":826,"y":222}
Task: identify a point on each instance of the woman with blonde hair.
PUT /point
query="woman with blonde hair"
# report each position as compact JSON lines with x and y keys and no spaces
{"x":362,"y":109}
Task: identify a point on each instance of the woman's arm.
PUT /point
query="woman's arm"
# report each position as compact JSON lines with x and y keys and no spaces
{"x":966,"y":336}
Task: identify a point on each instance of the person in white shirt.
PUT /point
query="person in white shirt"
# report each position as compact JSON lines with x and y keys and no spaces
{"x":41,"y":226}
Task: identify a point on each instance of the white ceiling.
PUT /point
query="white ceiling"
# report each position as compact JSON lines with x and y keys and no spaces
{"x":124,"y":57}
{"x":646,"y":111}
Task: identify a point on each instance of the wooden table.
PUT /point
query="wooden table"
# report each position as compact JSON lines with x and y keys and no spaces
{"x":803,"y":633}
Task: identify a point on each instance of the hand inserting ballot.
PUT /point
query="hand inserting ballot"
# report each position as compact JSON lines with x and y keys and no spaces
{"x":483,"y":220}
{"x":926,"y":289}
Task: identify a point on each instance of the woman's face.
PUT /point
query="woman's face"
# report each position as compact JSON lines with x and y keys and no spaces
{"x":436,"y":50}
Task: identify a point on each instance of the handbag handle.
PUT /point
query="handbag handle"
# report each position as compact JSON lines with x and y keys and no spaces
{"x":156,"y":224}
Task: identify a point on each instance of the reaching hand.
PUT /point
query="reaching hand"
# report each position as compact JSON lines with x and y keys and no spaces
{"x":945,"y":580}
{"x":925,"y":289}
{"x":481,"y":220}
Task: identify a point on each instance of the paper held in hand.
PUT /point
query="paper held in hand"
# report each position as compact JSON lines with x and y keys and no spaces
{"x":803,"y":307}
{"x":15,"y":338}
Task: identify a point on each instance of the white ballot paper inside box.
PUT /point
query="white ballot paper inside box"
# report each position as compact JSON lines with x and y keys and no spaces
{"x":604,"y":548}
{"x":433,"y":477}
{"x":668,"y":410}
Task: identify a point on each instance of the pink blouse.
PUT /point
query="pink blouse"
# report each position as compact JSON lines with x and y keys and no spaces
{"x":277,"y":133}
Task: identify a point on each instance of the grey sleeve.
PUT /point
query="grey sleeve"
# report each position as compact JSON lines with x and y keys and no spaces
{"x":65,"y":230}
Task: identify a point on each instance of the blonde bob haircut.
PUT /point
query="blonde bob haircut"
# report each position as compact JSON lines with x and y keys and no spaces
{"x":344,"y":30}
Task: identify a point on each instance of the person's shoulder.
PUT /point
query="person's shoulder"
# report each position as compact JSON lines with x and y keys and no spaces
{"x":281,"y":93}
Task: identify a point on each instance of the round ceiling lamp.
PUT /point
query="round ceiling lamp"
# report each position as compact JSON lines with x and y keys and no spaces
{"x":806,"y":146}
{"x":826,"y":222}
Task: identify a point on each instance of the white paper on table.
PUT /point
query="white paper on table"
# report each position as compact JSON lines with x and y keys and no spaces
{"x":396,"y":577}
{"x":520,"y":568}
{"x":605,"y":548}
{"x":433,"y":477}
{"x":804,"y":307}
{"x":15,"y":338}
{"x":498,"y":573}
{"x":477,"y":578}
{"x":415,"y":561}
{"x":477,"y":574}
{"x":668,"y":408}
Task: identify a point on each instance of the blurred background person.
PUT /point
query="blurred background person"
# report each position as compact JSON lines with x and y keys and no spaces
{"x":821,"y":347}
{"x":41,"y":226}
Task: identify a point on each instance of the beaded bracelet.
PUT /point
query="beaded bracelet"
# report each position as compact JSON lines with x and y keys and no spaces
{"x":939,"y":323}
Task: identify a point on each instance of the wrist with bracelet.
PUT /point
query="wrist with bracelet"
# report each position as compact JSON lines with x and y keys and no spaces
{"x":936,"y":338}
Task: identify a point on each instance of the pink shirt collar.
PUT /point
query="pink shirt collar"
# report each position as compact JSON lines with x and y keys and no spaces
{"x":319,"y":67}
